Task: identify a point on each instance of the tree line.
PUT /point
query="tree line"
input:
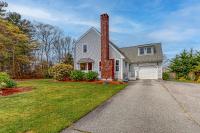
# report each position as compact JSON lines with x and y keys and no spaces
{"x":29,"y":49}
{"x":186,"y":63}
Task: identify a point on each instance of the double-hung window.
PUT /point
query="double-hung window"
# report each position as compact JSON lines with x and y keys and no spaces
{"x":141,"y":50}
{"x":84,"y":48}
{"x":99,"y":65}
{"x":117,"y":65}
{"x":149,"y":50}
{"x":145,"y":51}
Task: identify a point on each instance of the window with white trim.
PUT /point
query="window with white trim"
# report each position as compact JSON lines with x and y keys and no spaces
{"x":116,"y":65}
{"x":141,"y":50}
{"x":145,"y":50}
{"x":149,"y":50}
{"x":99,"y":65}
{"x":84,"y":48}
{"x":83,"y":66}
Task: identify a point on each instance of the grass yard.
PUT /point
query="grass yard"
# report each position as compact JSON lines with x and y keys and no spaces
{"x":51,"y":106}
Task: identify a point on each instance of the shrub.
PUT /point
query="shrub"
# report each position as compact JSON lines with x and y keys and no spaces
{"x":91,"y":76}
{"x":3,"y":85}
{"x":77,"y":75}
{"x":61,"y":71}
{"x":4,"y":76}
{"x":11,"y":83}
{"x":5,"y":81}
{"x":50,"y":72}
{"x":198,"y":80}
{"x":165,"y":76}
{"x":182,"y":79}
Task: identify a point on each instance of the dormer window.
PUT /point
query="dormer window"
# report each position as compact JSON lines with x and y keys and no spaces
{"x":145,"y":51}
{"x":149,"y":50}
{"x":141,"y":51}
{"x":84,"y":48}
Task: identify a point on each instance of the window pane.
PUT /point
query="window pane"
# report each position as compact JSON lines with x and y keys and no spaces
{"x":99,"y":66}
{"x":117,"y":68}
{"x":84,"y":48}
{"x":117,"y":62}
{"x":148,"y":50}
{"x":83,"y":66}
{"x":117,"y":65}
{"x":141,"y":51}
{"x":89,"y":66}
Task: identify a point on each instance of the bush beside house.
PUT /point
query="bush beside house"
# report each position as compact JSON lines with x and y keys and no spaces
{"x":63,"y":72}
{"x":6,"y":81}
{"x":60,"y":71}
{"x":77,"y":75}
{"x":90,"y":76}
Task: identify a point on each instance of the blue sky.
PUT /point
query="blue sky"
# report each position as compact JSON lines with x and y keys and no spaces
{"x":174,"y":23}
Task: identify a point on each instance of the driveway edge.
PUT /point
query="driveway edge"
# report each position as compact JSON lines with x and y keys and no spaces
{"x":71,"y":127}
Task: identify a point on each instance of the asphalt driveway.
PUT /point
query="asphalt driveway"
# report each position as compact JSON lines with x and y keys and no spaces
{"x":146,"y":106}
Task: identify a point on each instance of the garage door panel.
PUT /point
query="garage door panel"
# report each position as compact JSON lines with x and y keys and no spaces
{"x":149,"y":72}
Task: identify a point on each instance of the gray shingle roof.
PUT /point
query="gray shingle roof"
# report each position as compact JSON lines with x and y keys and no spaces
{"x":132,"y":53}
{"x":85,"y":60}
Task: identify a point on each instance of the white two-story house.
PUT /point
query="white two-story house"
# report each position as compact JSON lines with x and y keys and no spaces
{"x":95,"y":52}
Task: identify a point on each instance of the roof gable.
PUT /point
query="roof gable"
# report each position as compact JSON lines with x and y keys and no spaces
{"x":99,"y":34}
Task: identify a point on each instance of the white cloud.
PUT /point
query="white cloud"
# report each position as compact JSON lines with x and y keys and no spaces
{"x":31,"y":12}
{"x":123,"y":25}
{"x":39,"y":14}
{"x":179,"y":26}
{"x":173,"y":34}
{"x":118,"y":24}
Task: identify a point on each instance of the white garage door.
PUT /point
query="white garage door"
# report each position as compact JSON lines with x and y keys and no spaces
{"x":148,"y":72}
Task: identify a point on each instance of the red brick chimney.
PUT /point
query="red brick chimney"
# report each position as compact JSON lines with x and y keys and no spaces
{"x":107,"y":65}
{"x":105,"y":36}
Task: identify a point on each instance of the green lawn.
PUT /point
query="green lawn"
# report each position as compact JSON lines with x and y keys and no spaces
{"x":51,"y":106}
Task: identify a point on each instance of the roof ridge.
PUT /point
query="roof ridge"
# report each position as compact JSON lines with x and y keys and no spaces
{"x":159,"y":43}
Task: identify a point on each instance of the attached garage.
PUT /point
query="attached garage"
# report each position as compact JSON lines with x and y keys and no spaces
{"x":148,"y":72}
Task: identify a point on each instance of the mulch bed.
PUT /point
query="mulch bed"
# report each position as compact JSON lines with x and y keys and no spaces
{"x":10,"y":91}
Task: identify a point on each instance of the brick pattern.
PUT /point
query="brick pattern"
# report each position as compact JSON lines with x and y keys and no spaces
{"x":107,"y":65}
{"x":107,"y":69}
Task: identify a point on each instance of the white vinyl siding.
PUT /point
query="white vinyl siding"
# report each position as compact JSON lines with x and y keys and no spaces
{"x":93,"y":41}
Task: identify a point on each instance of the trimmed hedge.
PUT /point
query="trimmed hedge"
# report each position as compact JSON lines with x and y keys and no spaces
{"x":77,"y":75}
{"x":6,"y":81}
{"x":91,"y":75}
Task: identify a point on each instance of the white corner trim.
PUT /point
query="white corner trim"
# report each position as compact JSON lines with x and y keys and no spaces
{"x":122,"y":65}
